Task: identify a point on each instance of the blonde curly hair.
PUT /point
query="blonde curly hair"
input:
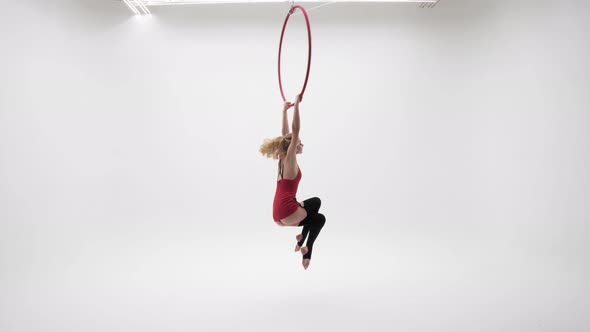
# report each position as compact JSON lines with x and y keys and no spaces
{"x":276,"y":147}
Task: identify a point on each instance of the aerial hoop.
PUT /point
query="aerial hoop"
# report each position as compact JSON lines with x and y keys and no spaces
{"x":291,"y":11}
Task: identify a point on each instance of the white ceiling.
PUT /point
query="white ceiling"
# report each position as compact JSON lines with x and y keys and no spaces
{"x":141,"y":7}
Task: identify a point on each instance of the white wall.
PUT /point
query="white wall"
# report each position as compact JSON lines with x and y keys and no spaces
{"x":451,"y":149}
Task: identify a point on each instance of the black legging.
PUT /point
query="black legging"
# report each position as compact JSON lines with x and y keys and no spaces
{"x":312,"y":224}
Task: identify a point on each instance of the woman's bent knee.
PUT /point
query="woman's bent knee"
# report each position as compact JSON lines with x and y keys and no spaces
{"x":320,"y":219}
{"x":318,"y":201}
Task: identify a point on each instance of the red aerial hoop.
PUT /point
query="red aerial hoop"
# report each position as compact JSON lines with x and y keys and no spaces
{"x":308,"y":48}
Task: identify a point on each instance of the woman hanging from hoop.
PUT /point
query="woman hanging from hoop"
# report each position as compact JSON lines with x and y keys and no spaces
{"x":287,"y":211}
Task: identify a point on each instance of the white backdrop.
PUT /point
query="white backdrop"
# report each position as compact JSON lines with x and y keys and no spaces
{"x":450,"y":147}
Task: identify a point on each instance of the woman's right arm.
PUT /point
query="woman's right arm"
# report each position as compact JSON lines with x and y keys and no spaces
{"x":296,"y":121}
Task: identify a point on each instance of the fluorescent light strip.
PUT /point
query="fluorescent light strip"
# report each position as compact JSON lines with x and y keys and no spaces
{"x":131,"y":7}
{"x":143,"y":7}
{"x":427,"y":4}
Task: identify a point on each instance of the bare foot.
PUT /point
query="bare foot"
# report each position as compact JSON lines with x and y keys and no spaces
{"x":298,"y":238}
{"x":304,"y":250}
{"x":305,"y":263}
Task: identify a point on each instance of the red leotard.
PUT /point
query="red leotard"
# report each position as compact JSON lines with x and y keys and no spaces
{"x":285,"y":202}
